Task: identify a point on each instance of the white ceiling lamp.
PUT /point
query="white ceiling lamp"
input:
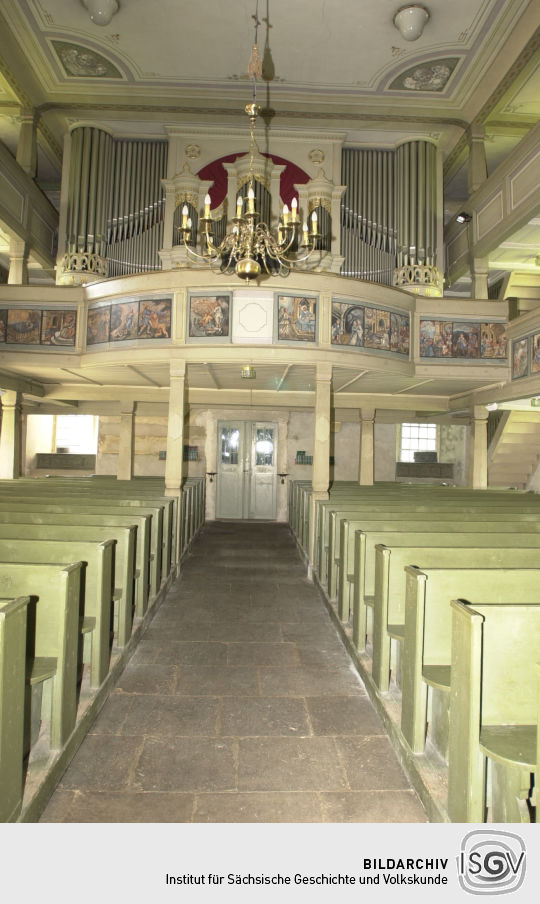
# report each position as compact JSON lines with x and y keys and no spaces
{"x":410,"y":21}
{"x":101,"y":11}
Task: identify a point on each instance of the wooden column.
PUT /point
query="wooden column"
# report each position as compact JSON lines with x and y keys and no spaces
{"x":125,"y":449}
{"x":478,"y":456}
{"x":477,"y":166}
{"x":27,"y":143}
{"x":320,"y":479}
{"x":366,"y":470}
{"x":10,"y":435}
{"x":18,"y":263}
{"x":174,"y":466}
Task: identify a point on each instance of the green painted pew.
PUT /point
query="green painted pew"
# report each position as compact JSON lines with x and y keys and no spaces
{"x":82,"y":510}
{"x":404,"y":534}
{"x":343,"y":579}
{"x":469,"y":549}
{"x":13,"y":617}
{"x":162,"y":511}
{"x":107,"y":523}
{"x":53,"y":634}
{"x":494,"y":711}
{"x":97,"y":591}
{"x":427,"y":651}
{"x":396,"y":509}
{"x":124,"y":560}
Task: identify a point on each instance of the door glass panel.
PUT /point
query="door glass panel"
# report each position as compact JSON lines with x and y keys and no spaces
{"x":230,"y":438}
{"x":264,"y":446}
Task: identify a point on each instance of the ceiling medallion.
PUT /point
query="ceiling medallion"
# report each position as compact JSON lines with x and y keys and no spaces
{"x":250,"y":250}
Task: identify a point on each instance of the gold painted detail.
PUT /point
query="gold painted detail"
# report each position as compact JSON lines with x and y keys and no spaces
{"x":243,"y":180}
{"x":188,"y":197}
{"x":193,"y":151}
{"x":85,"y":262}
{"x":320,"y":202}
{"x":416,"y":276}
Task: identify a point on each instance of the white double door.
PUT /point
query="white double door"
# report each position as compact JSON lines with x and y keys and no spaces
{"x":246,"y":470}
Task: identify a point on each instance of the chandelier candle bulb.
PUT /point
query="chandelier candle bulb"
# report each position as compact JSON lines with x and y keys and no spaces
{"x":184,"y":216}
{"x":251,"y":200}
{"x":285,"y":215}
{"x":314,"y":223}
{"x":294,"y":206}
{"x":239,"y":205}
{"x":207,"y":207}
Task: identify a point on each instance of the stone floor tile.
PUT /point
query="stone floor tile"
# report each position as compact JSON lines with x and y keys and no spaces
{"x":289,"y":764}
{"x":171,"y":715}
{"x":371,"y":764}
{"x":343,"y":716}
{"x":372,"y":806}
{"x":186,"y":764}
{"x":113,"y":714}
{"x":260,"y":716}
{"x":309,"y":681}
{"x":101,"y":766}
{"x":248,"y":806}
{"x":250,"y":633}
{"x":179,"y":652}
{"x":226,"y":681}
{"x":123,"y":806}
{"x":271,"y":654}
{"x":147,"y":679}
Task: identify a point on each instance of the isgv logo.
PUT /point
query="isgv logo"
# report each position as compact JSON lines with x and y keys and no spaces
{"x":491,"y":863}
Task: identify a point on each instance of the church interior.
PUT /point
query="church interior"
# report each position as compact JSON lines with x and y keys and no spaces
{"x":270,"y":389}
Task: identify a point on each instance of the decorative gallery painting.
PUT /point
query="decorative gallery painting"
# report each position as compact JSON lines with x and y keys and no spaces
{"x":520,"y":358}
{"x":98,"y":325}
{"x":209,"y":316}
{"x":462,"y":339}
{"x":58,"y":327}
{"x":23,"y":327}
{"x":360,"y":326}
{"x":154,"y":319}
{"x":535,"y":357}
{"x":28,"y":326}
{"x":297,"y":318}
{"x":128,"y":320}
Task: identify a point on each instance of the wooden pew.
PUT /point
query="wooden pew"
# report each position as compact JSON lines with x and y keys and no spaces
{"x":13,"y":615}
{"x":404,"y":533}
{"x":431,"y":508}
{"x":107,"y":523}
{"x":53,"y":634}
{"x":499,"y":522}
{"x":494,"y":710}
{"x":428,"y":625}
{"x":98,"y":589}
{"x":468,"y":549}
{"x":82,"y":510}
{"x":124,"y":560}
{"x":161,"y":540}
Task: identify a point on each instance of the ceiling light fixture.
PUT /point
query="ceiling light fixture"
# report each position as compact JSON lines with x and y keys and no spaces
{"x":101,"y":11}
{"x":410,"y":21}
{"x":492,"y":406}
{"x":463,"y":217}
{"x":250,"y":249}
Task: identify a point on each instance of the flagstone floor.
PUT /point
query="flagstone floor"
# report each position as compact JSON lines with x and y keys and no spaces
{"x":240,"y":704}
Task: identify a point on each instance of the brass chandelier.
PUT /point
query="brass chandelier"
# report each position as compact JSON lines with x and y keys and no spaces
{"x":250,"y":249}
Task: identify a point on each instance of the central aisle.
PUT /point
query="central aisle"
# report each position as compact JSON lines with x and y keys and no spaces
{"x":240,"y":704}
